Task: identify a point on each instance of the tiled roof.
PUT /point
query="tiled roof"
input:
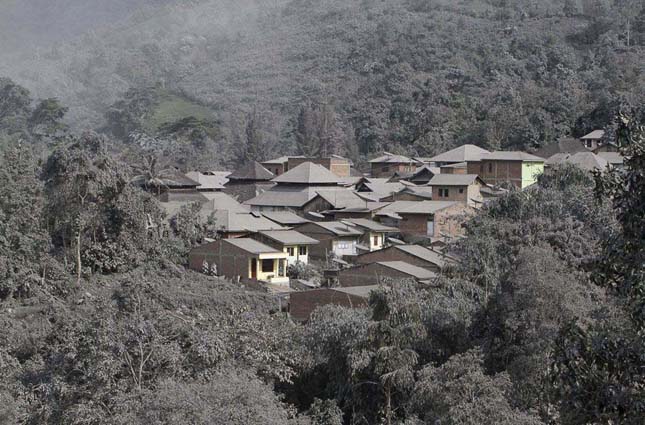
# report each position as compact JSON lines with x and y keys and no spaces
{"x":253,"y":171}
{"x":308,"y":173}
{"x":289,"y":237}
{"x":453,"y":180}
{"x":251,"y":245}
{"x":461,"y":154}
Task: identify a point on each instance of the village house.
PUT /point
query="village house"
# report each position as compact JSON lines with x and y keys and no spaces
{"x":413,"y":193}
{"x":368,"y":211}
{"x":386,"y":165}
{"x":586,"y":160}
{"x":285,"y":218}
{"x":210,"y":181}
{"x":457,"y":168}
{"x":297,"y":187}
{"x":242,"y":258}
{"x":237,"y":224}
{"x":423,"y":175}
{"x":520,"y":169}
{"x":377,"y":189}
{"x":383,"y":271}
{"x":303,"y":303}
{"x":563,"y":145}
{"x":293,"y":243}
{"x":279,"y":165}
{"x":416,"y":255}
{"x":336,"y":237}
{"x":374,"y":233}
{"x":176,"y":187}
{"x":593,"y":140}
{"x":615,"y":159}
{"x":338,"y":165}
{"x":465,"y":188}
{"x":461,"y":154}
{"x":438,"y":219}
{"x":249,"y":181}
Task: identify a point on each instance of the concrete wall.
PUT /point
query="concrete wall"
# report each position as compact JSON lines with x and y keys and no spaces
{"x":530,"y":172}
{"x":387,"y":170}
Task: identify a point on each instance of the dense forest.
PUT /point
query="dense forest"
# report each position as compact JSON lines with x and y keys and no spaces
{"x":541,"y":322}
{"x":410,"y":76}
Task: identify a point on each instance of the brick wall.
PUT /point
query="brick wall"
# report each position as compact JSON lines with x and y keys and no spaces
{"x":393,"y":254}
{"x":414,"y":224}
{"x":302,"y":304}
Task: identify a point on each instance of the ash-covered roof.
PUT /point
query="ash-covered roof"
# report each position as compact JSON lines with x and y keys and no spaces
{"x":461,"y":154}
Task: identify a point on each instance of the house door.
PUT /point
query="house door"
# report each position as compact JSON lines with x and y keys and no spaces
{"x":254,"y":268}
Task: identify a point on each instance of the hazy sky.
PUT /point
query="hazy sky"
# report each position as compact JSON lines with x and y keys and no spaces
{"x":28,"y":23}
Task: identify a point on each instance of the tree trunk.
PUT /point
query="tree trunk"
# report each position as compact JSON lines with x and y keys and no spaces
{"x":388,"y":404}
{"x":78,"y":257}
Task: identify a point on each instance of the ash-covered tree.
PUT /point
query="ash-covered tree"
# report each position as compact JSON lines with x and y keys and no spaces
{"x":597,"y":372}
{"x":15,"y":107}
{"x":318,"y":131}
{"x":24,"y":243}
{"x":93,"y":212}
{"x":46,"y":120}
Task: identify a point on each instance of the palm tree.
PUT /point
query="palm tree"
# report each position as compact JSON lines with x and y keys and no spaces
{"x":150,"y":175}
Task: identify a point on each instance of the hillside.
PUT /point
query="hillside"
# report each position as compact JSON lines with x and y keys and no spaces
{"x":408,"y":75}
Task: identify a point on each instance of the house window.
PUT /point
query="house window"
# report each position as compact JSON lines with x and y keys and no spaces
{"x":343,"y":245}
{"x":291,"y":251}
{"x":375,"y":240}
{"x":490,"y":167}
{"x":461,"y":190}
{"x":443,"y":192}
{"x":588,"y":144}
{"x":267,"y":266}
{"x":302,"y":250}
{"x":281,"y":268}
{"x":385,"y":169}
{"x":481,"y":168}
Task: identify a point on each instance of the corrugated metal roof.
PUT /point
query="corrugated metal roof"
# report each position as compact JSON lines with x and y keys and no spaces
{"x":289,"y":237}
{"x":461,"y":154}
{"x":286,"y":218}
{"x":424,"y":254}
{"x":338,"y":228}
{"x":403,"y":267}
{"x":594,"y":135}
{"x":511,"y":156}
{"x":253,"y":171}
{"x":415,"y":207}
{"x":251,"y":245}
{"x":389,"y":158}
{"x":453,"y":180}
{"x":371,"y":225}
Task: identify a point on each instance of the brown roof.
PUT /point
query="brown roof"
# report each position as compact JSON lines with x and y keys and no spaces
{"x":461,"y":154}
{"x":308,"y":173}
{"x":253,"y":171}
